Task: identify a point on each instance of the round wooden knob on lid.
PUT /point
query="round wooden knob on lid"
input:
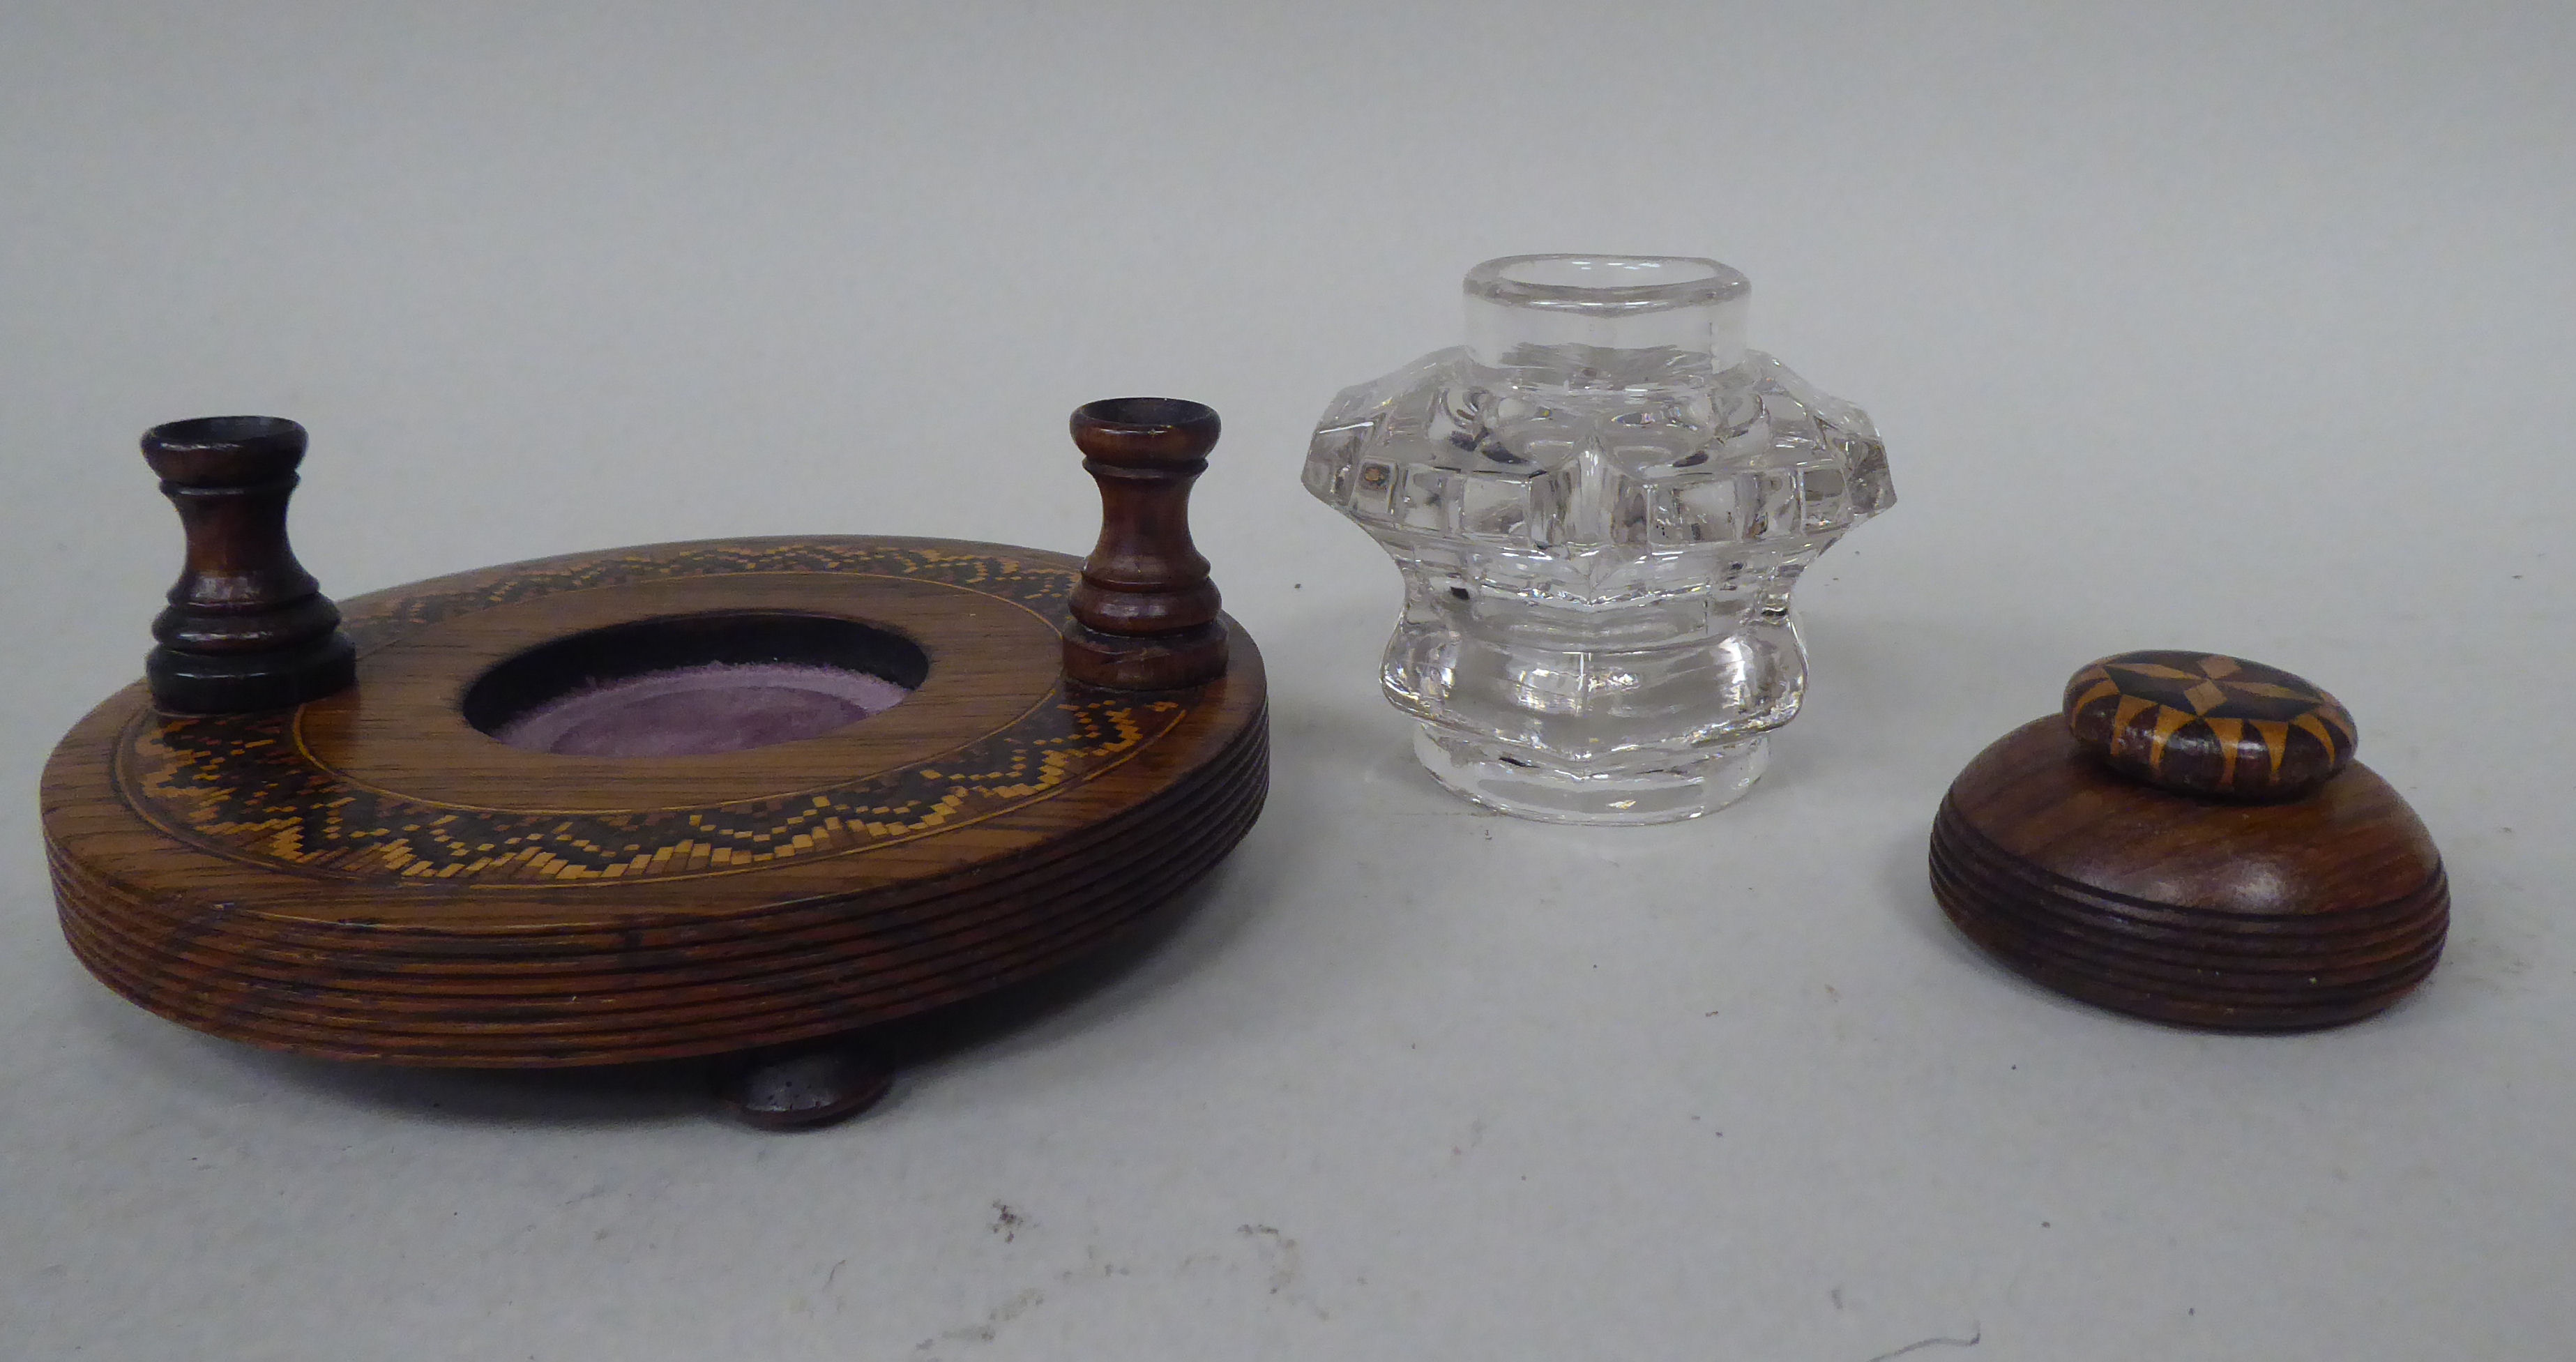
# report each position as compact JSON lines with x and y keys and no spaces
{"x":2190,"y":840}
{"x":2197,"y":723}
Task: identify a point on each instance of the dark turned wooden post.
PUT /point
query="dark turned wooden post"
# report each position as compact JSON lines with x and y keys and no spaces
{"x":1145,"y":615}
{"x":247,"y":627}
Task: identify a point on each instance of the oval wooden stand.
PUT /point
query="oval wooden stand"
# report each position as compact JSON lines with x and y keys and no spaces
{"x":368,"y":877}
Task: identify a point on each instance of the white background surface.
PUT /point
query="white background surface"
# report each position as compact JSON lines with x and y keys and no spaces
{"x":2236,"y":327}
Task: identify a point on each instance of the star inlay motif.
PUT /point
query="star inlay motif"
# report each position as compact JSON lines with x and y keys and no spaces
{"x":2209,"y":724}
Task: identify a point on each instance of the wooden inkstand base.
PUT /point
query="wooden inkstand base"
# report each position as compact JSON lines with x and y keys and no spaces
{"x":773,"y":802}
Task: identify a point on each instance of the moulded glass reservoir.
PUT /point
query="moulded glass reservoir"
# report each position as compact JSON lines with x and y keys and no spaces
{"x":1599,"y":504}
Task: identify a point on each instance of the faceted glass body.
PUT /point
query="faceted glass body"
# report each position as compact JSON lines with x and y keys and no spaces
{"x":1599,"y":505}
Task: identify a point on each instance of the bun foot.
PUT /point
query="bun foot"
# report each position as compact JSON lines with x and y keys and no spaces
{"x":804,"y":1087}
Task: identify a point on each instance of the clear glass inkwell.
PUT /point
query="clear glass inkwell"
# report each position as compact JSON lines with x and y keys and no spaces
{"x":1599,"y":504}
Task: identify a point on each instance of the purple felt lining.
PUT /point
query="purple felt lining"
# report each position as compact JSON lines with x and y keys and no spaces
{"x":692,"y":711}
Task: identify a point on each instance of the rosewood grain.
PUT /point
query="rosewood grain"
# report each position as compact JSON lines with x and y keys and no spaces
{"x":2190,"y":909}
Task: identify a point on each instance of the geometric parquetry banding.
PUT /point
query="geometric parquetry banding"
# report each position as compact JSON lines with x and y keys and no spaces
{"x":237,"y":785}
{"x":2209,"y":724}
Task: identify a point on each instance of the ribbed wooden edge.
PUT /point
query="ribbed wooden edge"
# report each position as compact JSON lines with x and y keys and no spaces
{"x":800,"y":971}
{"x":2187,"y":967}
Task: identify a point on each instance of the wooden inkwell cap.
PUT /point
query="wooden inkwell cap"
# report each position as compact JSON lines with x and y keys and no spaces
{"x":2189,"y":840}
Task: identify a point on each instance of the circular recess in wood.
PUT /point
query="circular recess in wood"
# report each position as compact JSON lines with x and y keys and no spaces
{"x":371,"y":876}
{"x":2191,"y":910}
{"x":695,"y":685}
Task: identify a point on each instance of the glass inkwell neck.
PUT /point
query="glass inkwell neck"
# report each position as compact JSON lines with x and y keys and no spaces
{"x":1606,"y":323}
